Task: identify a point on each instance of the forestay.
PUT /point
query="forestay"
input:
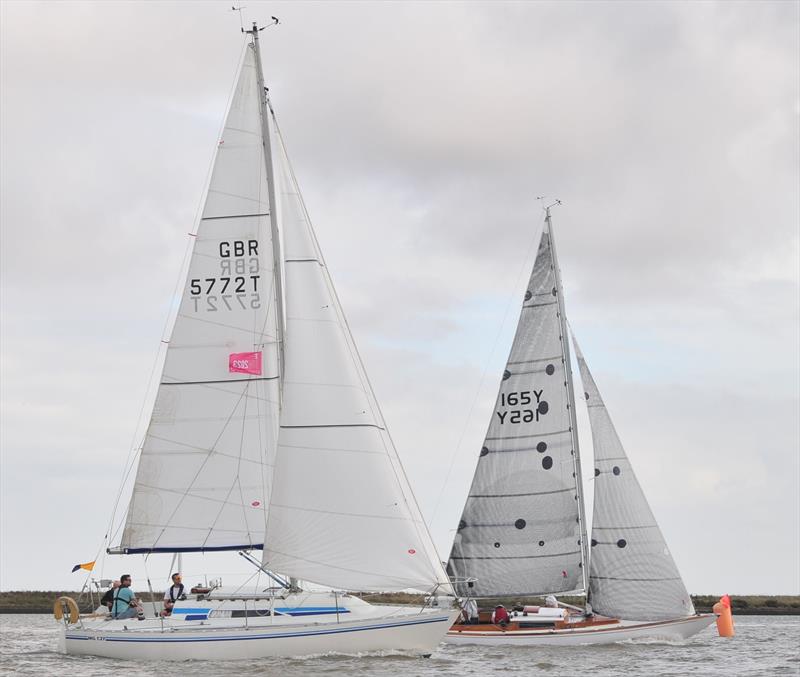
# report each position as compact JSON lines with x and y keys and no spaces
{"x":342,"y":513}
{"x":206,"y":463}
{"x":632,"y":574}
{"x":520,"y":529}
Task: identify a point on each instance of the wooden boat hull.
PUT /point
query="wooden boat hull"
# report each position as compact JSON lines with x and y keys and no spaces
{"x":606,"y":631}
{"x":416,"y":633}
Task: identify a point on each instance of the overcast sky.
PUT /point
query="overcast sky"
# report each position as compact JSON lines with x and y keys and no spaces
{"x":421,"y":134}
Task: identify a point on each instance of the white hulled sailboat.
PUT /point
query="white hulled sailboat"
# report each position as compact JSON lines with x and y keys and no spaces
{"x":266,"y":435}
{"x":523,"y":530}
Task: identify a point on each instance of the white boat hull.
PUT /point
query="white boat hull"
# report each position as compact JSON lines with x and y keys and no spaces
{"x":417,"y":633}
{"x":674,"y":630}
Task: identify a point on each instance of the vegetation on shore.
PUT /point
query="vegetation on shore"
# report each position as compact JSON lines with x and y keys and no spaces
{"x":41,"y":601}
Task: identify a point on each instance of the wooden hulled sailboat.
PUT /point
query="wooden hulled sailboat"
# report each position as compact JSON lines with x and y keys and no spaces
{"x":523,"y":531}
{"x":266,"y":435}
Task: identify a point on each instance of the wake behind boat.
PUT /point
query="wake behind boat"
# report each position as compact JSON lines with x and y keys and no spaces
{"x":523,"y":531}
{"x":266,"y":435}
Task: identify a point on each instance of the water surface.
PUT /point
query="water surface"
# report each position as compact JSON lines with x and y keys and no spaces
{"x":764,"y":645}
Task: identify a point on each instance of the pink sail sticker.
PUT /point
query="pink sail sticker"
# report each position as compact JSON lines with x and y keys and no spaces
{"x":245,"y":363}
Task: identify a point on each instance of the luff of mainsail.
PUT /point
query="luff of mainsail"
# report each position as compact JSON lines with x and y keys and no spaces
{"x":521,"y":529}
{"x":342,"y":512}
{"x":206,"y":463}
{"x":632,"y":574}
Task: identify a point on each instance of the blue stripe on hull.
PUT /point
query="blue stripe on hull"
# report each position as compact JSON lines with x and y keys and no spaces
{"x":269,"y":636}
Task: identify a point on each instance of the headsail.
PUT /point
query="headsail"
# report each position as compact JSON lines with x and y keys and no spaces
{"x":206,"y":464}
{"x":520,"y":532}
{"x":342,"y":513}
{"x":632,"y":574}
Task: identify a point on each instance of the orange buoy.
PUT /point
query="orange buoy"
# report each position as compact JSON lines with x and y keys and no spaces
{"x":724,"y":617}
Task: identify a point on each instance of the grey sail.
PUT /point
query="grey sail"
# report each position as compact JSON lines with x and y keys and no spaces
{"x":520,"y":531}
{"x":632,"y":574}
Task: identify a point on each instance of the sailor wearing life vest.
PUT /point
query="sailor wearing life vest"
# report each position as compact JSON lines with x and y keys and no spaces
{"x":174,"y":594}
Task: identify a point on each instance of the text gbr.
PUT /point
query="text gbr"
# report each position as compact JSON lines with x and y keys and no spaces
{"x":236,"y":285}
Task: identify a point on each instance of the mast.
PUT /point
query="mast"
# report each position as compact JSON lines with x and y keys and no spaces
{"x":273,"y":212}
{"x":576,"y":458}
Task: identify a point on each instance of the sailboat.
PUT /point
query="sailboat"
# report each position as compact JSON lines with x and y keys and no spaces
{"x":266,"y":436}
{"x":523,"y":530}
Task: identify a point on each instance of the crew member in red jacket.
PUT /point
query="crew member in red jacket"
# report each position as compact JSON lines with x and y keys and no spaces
{"x":500,"y":616}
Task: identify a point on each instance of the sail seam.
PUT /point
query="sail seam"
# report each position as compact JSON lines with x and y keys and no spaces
{"x":191,"y":446}
{"x":539,"y":305}
{"x":538,"y":359}
{"x":224,"y":380}
{"x":345,"y":514}
{"x":244,"y":330}
{"x":236,"y":195}
{"x":234,"y":216}
{"x":519,"y":437}
{"x":184,"y":494}
{"x":557,"y":554}
{"x":336,"y":425}
{"x":322,"y":265}
{"x":638,"y":580}
{"x":647,"y":526}
{"x":535,"y":493}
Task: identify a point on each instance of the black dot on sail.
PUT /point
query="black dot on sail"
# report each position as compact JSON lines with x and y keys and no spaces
{"x":621,"y":543}
{"x":547,"y":462}
{"x":541,"y":447}
{"x":541,"y":544}
{"x":586,"y":395}
{"x":461,"y":525}
{"x":520,"y":524}
{"x":484,"y":451}
{"x":596,"y":472}
{"x":496,"y":544}
{"x":580,"y":565}
{"x":528,"y":295}
{"x":594,"y":542}
{"x":615,"y":470}
{"x":506,"y":374}
{"x":549,"y":369}
{"x":543,"y":407}
{"x":555,"y":292}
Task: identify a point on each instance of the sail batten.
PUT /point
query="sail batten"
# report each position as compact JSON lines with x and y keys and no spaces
{"x":632,"y":574}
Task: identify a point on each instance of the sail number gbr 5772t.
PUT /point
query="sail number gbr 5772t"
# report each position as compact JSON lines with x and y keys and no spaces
{"x":236,"y":287}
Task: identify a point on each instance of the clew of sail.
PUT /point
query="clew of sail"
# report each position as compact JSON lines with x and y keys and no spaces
{"x":342,"y":513}
{"x":632,"y":574}
{"x":206,"y":462}
{"x":519,"y":533}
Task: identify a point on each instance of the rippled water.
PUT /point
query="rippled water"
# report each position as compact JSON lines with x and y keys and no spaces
{"x":764,"y":645}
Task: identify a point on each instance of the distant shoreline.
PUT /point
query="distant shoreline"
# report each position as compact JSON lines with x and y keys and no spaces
{"x":41,"y":602}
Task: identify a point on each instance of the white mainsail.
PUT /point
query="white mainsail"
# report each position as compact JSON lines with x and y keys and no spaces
{"x":520,"y":532}
{"x":206,"y":463}
{"x":342,"y":512}
{"x":632,"y":574}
